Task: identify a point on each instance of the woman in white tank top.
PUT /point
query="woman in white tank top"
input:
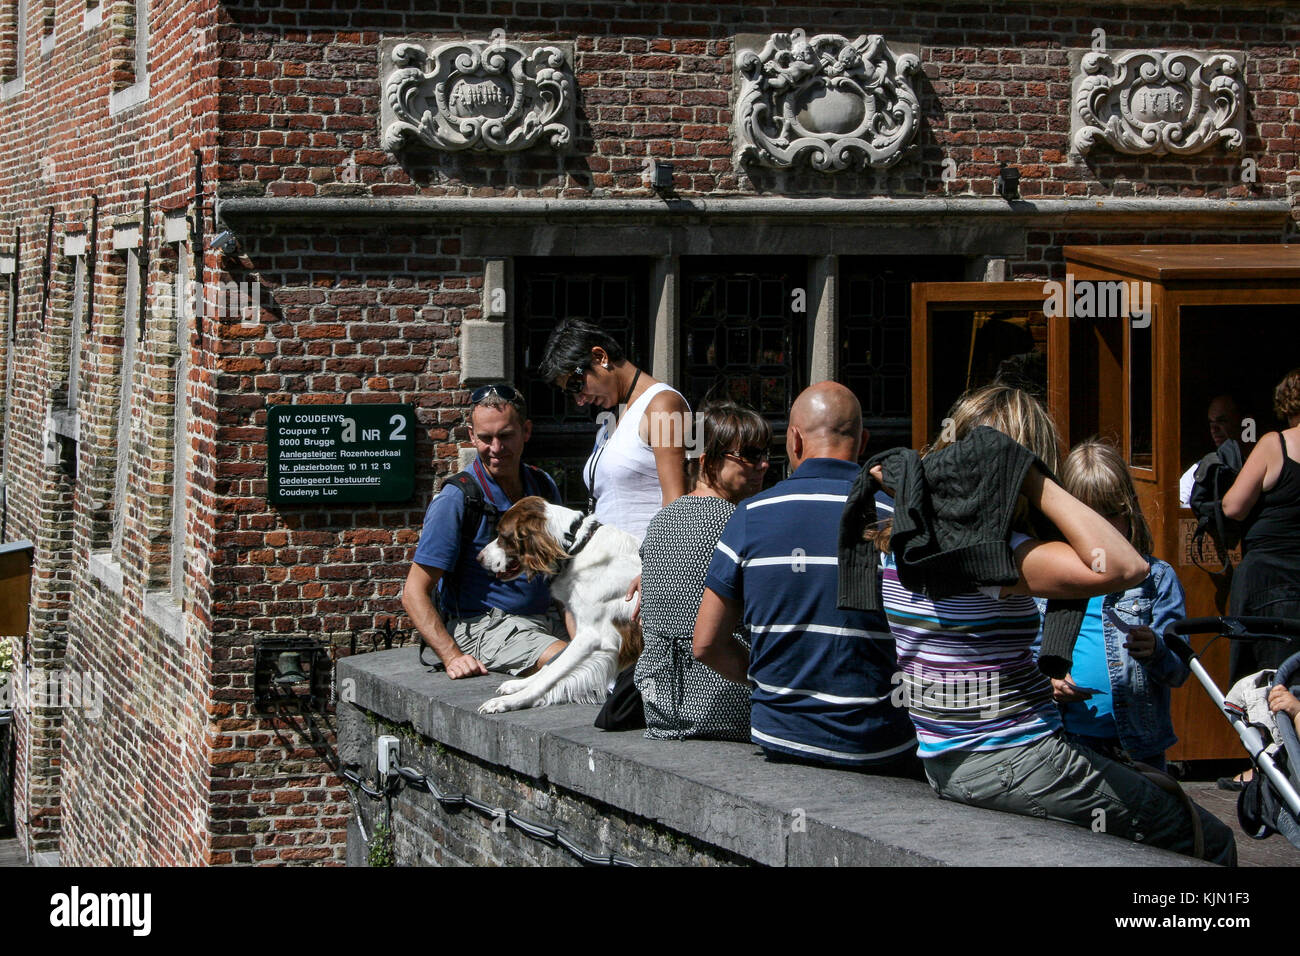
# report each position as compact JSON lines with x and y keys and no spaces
{"x":638,"y":463}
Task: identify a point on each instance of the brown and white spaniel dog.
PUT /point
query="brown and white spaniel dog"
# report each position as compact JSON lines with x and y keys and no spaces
{"x":590,"y":566}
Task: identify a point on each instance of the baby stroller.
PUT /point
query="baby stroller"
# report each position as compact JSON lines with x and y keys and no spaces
{"x":1271,"y":801}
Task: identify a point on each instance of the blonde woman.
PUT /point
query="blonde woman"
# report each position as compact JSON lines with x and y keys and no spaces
{"x":1004,"y":748}
{"x":1116,"y":697}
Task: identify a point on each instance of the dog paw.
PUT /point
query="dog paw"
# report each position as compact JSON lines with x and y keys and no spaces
{"x":497,"y":705}
{"x":512,"y":687}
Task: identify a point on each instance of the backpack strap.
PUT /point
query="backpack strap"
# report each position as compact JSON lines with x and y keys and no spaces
{"x":476,"y":507}
{"x":1216,"y":530}
{"x":1214,"y":476}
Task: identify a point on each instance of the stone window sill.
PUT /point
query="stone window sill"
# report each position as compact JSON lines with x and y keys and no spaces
{"x":106,"y":570}
{"x":162,"y":611}
{"x":132,"y":96}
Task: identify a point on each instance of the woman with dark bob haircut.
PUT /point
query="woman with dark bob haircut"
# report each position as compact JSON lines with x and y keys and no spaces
{"x":682,"y":699}
{"x":638,"y":463}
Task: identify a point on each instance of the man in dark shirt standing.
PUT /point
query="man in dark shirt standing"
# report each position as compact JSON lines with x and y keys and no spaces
{"x":822,"y":677}
{"x":507,"y":626}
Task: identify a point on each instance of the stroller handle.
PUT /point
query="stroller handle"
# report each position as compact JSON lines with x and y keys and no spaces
{"x":1240,"y":628}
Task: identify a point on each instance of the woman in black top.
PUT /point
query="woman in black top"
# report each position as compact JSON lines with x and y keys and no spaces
{"x":1266,"y":496}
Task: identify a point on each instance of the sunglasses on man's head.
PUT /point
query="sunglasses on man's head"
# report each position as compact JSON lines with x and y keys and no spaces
{"x":500,"y":389}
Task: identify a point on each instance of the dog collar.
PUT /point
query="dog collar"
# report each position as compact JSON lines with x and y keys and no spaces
{"x":572,"y":542}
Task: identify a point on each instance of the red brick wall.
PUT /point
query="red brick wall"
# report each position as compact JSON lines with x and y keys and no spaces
{"x":656,"y":80}
{"x":128,"y":786}
{"x":344,"y":326}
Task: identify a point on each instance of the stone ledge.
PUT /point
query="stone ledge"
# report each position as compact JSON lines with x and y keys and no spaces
{"x":129,"y":97}
{"x":105,"y":569}
{"x":877,"y":210}
{"x":161,"y":609}
{"x":719,"y":793}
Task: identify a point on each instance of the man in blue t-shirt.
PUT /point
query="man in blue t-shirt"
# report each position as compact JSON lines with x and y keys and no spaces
{"x":822,"y":677}
{"x":507,"y":626}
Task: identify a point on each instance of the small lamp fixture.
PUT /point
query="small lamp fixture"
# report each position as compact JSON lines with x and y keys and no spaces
{"x":225,"y":243}
{"x":1008,"y":184}
{"x":660,"y":178}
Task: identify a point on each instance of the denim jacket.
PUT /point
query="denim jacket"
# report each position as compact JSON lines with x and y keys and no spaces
{"x":1140,"y":690}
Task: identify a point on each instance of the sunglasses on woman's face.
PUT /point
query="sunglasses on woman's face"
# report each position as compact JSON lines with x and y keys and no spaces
{"x":750,"y":455}
{"x":576,"y":381}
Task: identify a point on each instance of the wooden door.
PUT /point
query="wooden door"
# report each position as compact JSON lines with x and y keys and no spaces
{"x":1209,"y":356}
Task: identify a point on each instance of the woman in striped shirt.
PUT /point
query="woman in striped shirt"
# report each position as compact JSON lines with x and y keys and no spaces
{"x":989,"y":733}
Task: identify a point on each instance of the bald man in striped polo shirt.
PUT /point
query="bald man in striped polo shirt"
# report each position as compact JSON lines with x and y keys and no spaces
{"x":821,"y":676}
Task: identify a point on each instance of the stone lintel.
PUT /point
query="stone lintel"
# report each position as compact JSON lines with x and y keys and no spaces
{"x":866,"y":213}
{"x":127,"y":235}
{"x":176,"y":226}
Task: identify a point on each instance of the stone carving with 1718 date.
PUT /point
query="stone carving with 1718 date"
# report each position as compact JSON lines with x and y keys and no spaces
{"x":1156,"y":102}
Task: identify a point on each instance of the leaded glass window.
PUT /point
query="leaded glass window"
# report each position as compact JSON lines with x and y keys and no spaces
{"x":612,"y":293}
{"x":744,"y":334}
{"x":875,"y":337}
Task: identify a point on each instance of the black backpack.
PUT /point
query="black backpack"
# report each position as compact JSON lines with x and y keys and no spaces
{"x":1215,"y":474}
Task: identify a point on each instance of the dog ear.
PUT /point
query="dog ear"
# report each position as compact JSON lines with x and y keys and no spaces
{"x":539,"y":553}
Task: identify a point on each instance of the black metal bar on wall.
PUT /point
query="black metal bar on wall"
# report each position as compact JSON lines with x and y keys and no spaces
{"x":196,"y":246}
{"x":88,"y":305}
{"x":46,"y":267}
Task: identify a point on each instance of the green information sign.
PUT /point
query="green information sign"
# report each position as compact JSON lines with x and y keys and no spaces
{"x":322,"y":454}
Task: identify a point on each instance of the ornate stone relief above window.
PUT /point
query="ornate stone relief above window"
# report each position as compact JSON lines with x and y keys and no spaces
{"x":1154,"y":102}
{"x":481,"y":95}
{"x":829,"y":101}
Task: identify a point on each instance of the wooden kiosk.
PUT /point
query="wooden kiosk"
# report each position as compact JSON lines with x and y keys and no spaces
{"x":1201,"y":321}
{"x":15,"y":587}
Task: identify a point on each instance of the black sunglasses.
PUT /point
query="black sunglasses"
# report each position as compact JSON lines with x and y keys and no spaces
{"x":577,"y":380}
{"x":501,"y":389}
{"x":750,"y":455}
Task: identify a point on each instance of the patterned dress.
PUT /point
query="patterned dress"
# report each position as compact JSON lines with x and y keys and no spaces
{"x":682,"y":697}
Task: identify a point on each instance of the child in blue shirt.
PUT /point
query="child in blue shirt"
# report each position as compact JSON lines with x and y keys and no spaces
{"x":1116,"y":697}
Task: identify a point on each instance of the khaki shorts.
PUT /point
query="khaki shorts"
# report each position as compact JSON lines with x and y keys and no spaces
{"x":508,"y":643}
